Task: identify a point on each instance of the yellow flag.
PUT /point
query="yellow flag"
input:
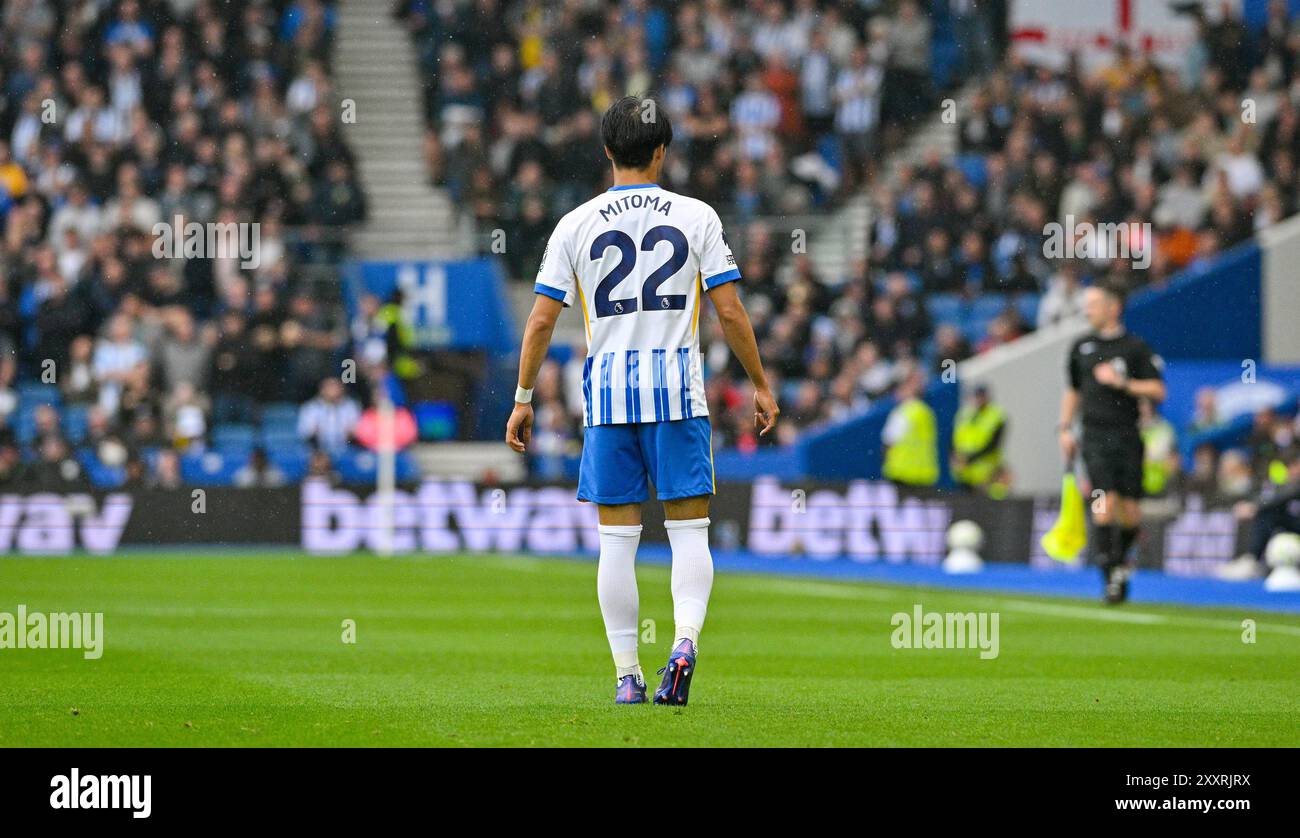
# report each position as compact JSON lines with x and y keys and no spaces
{"x":1069,"y":535}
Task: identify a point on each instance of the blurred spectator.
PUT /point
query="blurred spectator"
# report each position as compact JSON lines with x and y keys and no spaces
{"x":328,"y":420}
{"x":1206,"y":415}
{"x":1064,"y":297}
{"x":259,"y":472}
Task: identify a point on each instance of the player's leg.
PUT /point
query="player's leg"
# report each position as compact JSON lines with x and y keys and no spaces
{"x":1104,"y":467}
{"x":687,"y":522}
{"x":680,"y":456}
{"x":612,"y":476}
{"x":1130,"y":523}
{"x":1127,"y":511}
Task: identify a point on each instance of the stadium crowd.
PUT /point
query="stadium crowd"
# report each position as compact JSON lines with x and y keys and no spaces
{"x":116,"y":117}
{"x":959,"y":260}
{"x":778,"y":106}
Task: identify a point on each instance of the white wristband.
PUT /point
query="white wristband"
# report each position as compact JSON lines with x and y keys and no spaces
{"x":523,"y":396}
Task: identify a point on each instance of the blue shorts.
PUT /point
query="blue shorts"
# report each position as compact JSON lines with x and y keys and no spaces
{"x":617,"y":460}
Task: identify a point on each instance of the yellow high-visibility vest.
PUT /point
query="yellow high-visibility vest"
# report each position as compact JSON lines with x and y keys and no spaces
{"x":1155,"y":469}
{"x":404,"y":364}
{"x":973,"y":431}
{"x":914,"y":458}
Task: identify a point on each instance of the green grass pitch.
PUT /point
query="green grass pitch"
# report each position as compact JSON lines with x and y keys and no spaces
{"x":248,"y":649}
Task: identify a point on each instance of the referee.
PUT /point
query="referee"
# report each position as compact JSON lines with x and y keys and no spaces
{"x":1110,"y":371}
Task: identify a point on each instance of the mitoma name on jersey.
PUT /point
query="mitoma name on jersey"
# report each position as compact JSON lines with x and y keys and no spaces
{"x":636,"y":200}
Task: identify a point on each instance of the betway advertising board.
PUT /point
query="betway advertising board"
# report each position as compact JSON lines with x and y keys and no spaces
{"x":861,"y":522}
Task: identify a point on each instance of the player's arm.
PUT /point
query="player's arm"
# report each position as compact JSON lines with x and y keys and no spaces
{"x":1146,"y":381}
{"x":1070,"y":407}
{"x":739,"y":333}
{"x":1065,"y":429}
{"x":1146,"y":388}
{"x":537,"y":340}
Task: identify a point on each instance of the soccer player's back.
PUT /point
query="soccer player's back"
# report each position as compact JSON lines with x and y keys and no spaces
{"x":636,"y":261}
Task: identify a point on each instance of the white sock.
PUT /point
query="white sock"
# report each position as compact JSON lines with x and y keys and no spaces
{"x":616,"y":589}
{"x":692,"y":576}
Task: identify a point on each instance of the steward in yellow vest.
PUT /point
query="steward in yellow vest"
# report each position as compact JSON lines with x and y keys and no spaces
{"x":1159,"y":450}
{"x":977,"y":439}
{"x":911,"y":438}
{"x":400,"y":337}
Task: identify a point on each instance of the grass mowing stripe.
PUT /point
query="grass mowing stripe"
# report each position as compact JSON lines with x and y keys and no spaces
{"x":246,"y":650}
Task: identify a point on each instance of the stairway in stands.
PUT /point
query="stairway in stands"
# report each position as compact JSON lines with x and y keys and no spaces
{"x":375,"y":66}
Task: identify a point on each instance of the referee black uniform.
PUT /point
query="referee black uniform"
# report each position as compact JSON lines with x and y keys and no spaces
{"x":1112,"y":443}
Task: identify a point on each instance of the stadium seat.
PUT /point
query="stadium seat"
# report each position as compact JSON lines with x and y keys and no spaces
{"x":101,"y":476}
{"x":357,"y":465}
{"x":988,"y":306}
{"x":212,"y":468}
{"x":36,"y":393}
{"x":1027,"y":305}
{"x":292,"y":461}
{"x":973,"y":168}
{"x":233,"y":436}
{"x":24,"y":424}
{"x":273,"y":439}
{"x":280,"y":415}
{"x":975,"y":329}
{"x":435,"y":420}
{"x":945,"y":308}
{"x":75,"y":420}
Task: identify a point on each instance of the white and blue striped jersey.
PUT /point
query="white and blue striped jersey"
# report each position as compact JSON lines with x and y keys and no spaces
{"x":637,"y":261}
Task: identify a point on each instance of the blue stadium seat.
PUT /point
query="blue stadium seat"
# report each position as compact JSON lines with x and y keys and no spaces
{"x":927,"y":349}
{"x":292,"y":461}
{"x":278,"y":438}
{"x":1027,"y":305}
{"x":100,"y":475}
{"x":149,"y":454}
{"x":212,"y":468}
{"x":945,"y":308}
{"x":988,"y":306}
{"x":357,"y":465}
{"x":975,"y":329}
{"x":280,"y":415}
{"x":407,"y":468}
{"x":234,"y":436}
{"x":435,"y":420}
{"x":34,"y":393}
{"x":24,"y":424}
{"x":76,"y":421}
{"x":974,"y":168}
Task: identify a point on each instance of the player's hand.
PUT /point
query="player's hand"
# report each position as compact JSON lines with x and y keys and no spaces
{"x":519,"y":430}
{"x":1244,"y":510}
{"x":1106,"y":375}
{"x":1069,"y":445}
{"x":765,"y":411}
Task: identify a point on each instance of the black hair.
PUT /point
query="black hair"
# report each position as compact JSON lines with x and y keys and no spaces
{"x":1115,"y":290}
{"x":633,"y":128}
